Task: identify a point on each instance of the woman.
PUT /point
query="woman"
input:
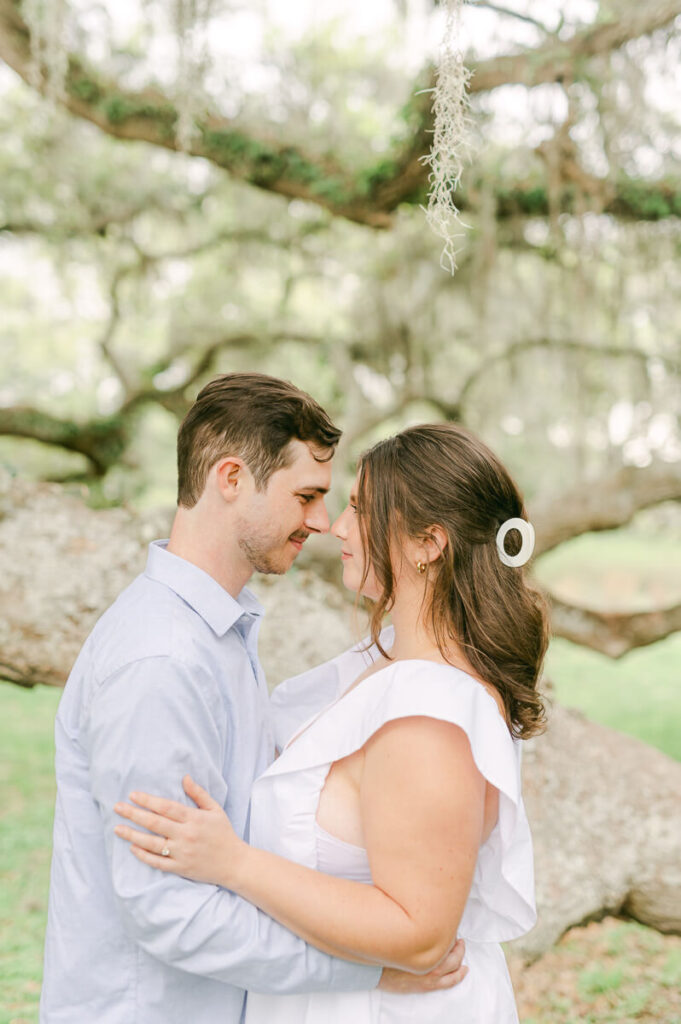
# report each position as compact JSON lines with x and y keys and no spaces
{"x":392,"y":820}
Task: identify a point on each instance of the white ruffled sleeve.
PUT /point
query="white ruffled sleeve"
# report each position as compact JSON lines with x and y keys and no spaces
{"x":501,"y":902}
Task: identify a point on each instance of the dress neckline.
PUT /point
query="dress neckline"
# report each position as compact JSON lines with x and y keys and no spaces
{"x":320,"y":830}
{"x":358,"y":685}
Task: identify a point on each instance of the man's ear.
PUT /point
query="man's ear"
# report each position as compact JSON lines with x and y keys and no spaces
{"x":230,"y":476}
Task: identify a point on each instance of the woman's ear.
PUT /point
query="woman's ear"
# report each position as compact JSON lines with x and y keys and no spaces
{"x":434,"y":543}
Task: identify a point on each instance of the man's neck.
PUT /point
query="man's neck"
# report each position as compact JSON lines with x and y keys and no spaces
{"x":207,"y":549}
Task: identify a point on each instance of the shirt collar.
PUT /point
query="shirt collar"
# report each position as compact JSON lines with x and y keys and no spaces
{"x":199,"y":590}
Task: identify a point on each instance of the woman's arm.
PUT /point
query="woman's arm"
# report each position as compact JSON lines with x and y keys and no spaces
{"x":422,"y":802}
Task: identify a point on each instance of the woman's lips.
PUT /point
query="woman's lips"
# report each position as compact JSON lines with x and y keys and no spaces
{"x":345,"y":555}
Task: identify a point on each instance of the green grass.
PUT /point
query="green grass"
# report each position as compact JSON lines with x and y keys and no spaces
{"x":611,"y":972}
{"x":619,"y":571}
{"x":639,"y":694}
{"x":27,"y":783}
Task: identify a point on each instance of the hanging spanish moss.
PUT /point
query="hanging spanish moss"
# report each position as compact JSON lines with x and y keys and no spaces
{"x":450,"y":140}
{"x":191,"y":21}
{"x":47,"y":22}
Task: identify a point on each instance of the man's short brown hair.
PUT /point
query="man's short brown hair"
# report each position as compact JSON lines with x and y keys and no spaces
{"x":255,"y":417}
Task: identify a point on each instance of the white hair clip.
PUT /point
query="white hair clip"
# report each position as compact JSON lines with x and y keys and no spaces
{"x":526,"y":531}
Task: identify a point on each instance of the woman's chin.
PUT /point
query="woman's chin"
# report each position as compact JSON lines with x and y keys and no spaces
{"x":350,"y":580}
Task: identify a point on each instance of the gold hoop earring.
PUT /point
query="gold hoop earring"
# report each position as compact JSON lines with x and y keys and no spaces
{"x":421,"y":567}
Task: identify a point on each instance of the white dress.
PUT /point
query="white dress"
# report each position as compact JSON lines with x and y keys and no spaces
{"x":500,"y":905}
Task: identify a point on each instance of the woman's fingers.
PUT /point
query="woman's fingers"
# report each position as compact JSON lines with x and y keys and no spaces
{"x":159,"y":805}
{"x":154,"y":861}
{"x":199,"y":795}
{"x":153,"y":822}
{"x":144,"y":840}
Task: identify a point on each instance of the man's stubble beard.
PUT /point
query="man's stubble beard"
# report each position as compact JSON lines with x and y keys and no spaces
{"x":263,"y":551}
{"x":262,"y":558}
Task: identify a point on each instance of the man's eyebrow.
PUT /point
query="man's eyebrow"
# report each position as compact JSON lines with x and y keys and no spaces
{"x":314,"y":489}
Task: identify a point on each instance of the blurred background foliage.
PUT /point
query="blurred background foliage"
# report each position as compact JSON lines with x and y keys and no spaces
{"x":287,"y":234}
{"x":130,"y":274}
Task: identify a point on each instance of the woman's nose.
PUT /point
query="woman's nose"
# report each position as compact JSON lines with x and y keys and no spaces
{"x":338,"y":528}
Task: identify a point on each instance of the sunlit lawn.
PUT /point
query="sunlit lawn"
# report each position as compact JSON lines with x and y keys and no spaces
{"x":27,"y":786}
{"x":611,"y":972}
{"x":639,"y":694}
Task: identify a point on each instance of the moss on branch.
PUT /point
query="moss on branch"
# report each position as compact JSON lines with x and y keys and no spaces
{"x":628,"y":200}
{"x":101,"y":440}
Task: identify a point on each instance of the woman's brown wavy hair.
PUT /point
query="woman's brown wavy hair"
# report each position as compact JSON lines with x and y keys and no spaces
{"x":440,"y":474}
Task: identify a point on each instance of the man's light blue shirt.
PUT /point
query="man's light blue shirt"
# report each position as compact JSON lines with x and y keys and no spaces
{"x":168,"y":683}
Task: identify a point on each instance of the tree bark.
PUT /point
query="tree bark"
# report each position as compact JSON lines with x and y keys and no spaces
{"x":102,"y":440}
{"x":604,"y":504}
{"x":604,"y":812}
{"x":612,"y":633}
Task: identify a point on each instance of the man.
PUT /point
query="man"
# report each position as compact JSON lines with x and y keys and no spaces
{"x":168,"y":684}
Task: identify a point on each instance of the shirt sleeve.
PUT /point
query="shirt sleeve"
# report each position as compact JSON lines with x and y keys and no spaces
{"x":148,"y":725}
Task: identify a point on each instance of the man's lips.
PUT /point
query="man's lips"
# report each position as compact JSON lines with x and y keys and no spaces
{"x":298,"y":542}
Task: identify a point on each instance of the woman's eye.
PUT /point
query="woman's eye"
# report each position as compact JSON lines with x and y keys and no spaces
{"x":353,"y":507}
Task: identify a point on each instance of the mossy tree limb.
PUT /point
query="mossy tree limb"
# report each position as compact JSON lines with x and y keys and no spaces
{"x":612,"y":633}
{"x":371,"y":195}
{"x":604,"y":504}
{"x":102,"y":440}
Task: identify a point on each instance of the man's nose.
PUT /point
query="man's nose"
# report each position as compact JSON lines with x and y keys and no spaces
{"x":317,"y":518}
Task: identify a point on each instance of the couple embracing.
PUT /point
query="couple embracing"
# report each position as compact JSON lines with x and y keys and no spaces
{"x":191,"y":866}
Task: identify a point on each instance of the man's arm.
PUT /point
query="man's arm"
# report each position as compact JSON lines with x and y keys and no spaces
{"x":147,"y":726}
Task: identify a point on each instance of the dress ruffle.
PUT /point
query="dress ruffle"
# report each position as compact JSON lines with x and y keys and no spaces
{"x":501,"y":902}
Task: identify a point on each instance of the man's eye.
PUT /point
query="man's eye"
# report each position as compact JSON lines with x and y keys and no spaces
{"x":307,"y":498}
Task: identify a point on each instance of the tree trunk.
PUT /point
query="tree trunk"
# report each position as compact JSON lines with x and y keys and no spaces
{"x":603,"y":807}
{"x":604,"y":810}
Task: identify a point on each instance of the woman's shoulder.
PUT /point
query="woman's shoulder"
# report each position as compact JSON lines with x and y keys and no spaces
{"x":399,"y":690}
{"x":426,"y":688}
